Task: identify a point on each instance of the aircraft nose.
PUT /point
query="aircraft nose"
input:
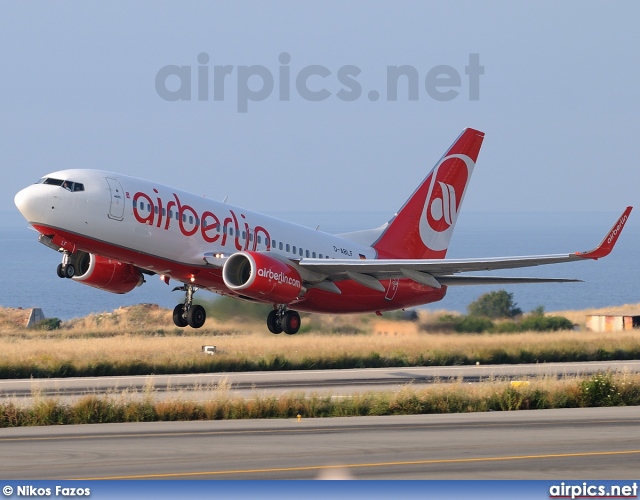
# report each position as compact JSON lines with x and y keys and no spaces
{"x":29,"y":203}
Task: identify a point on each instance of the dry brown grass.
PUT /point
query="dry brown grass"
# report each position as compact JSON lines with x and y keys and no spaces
{"x":12,"y":319}
{"x":603,"y":389}
{"x":302,"y":349}
{"x":139,"y":335}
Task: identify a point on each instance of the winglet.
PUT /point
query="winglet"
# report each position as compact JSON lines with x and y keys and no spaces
{"x":609,"y":241}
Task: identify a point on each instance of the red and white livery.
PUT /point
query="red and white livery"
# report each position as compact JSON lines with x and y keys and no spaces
{"x":113,"y":229}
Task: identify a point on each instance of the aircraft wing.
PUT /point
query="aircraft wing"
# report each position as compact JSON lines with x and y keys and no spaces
{"x":436,"y":272}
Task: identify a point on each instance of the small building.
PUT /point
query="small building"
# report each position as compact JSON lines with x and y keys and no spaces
{"x":613,"y":322}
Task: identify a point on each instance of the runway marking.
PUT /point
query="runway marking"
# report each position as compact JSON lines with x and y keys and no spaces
{"x":354,"y":466}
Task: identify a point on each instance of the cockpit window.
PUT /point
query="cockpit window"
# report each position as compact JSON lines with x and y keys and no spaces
{"x":68,"y":185}
{"x":52,"y":181}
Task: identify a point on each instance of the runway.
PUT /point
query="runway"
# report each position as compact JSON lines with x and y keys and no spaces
{"x":564,"y":444}
{"x":336,"y":382}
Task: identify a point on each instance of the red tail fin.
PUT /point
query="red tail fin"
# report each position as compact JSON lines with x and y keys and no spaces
{"x":422,"y":228}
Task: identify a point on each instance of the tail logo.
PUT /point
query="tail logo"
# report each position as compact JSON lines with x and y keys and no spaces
{"x":448,"y":183}
{"x":444,"y":207}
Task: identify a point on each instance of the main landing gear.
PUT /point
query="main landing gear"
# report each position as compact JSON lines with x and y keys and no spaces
{"x":66,"y":269}
{"x":280,"y":320}
{"x":187,"y":313}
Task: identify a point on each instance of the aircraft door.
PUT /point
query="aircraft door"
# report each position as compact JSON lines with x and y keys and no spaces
{"x":116,"y":208}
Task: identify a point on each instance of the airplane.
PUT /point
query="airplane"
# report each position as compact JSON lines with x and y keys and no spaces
{"x":113,"y":229}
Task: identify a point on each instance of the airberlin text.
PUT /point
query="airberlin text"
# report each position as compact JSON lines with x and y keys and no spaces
{"x":616,"y":230}
{"x":208,"y":225}
{"x":280,"y":277}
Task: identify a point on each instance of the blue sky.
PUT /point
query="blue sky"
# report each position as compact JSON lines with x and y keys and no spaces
{"x":558,"y":100}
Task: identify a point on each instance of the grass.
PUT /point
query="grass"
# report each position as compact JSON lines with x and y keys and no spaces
{"x":603,"y":389}
{"x":138,"y":341}
{"x":141,"y":340}
{"x":126,"y":354}
{"x":140,"y":355}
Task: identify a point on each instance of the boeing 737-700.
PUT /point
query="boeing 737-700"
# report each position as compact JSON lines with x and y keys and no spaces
{"x":113,"y":229}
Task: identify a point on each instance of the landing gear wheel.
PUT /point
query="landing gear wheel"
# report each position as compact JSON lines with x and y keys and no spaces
{"x":69,"y":271}
{"x":272,"y":322}
{"x":178,"y":316}
{"x":60,"y":272}
{"x":196,"y":316}
{"x":291,"y":322}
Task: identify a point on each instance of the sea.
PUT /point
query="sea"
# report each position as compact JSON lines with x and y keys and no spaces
{"x":28,"y":277}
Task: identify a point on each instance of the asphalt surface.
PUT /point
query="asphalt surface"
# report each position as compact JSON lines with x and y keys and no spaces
{"x":336,"y":382}
{"x":601,"y":443}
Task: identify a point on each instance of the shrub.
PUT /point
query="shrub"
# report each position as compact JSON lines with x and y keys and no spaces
{"x":545,"y":323}
{"x":474,"y":324}
{"x":600,"y":390}
{"x":493,"y":305}
{"x":48,"y":324}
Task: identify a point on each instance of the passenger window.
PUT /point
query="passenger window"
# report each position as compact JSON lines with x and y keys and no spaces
{"x":280,"y":245}
{"x":294,"y":249}
{"x":171,"y":214}
{"x":231,"y":231}
{"x":244,"y":235}
{"x":148,"y":208}
{"x":197,"y":222}
{"x":135,"y":204}
{"x":320,"y":255}
{"x":300,"y":252}
{"x":314,"y":255}
{"x":184,"y":217}
{"x":155,"y":210}
{"x":288,"y":248}
{"x":164,"y":212}
{"x":259,"y":240}
{"x":307,"y":253}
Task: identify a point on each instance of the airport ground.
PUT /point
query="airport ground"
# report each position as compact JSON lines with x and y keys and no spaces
{"x":538,"y":444}
{"x":601,"y":443}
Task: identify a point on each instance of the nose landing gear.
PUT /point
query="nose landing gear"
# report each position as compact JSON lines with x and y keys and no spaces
{"x":281,"y":320}
{"x":187,"y":313}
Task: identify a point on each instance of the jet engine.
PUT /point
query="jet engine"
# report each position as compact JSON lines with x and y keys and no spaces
{"x":261,"y":277}
{"x":104,"y":273}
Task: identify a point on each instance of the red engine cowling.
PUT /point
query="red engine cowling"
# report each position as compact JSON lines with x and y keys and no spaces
{"x":104,"y":273}
{"x":261,"y":277}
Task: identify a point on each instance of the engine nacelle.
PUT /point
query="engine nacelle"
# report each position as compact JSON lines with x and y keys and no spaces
{"x":104,"y":273}
{"x":261,"y":277}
